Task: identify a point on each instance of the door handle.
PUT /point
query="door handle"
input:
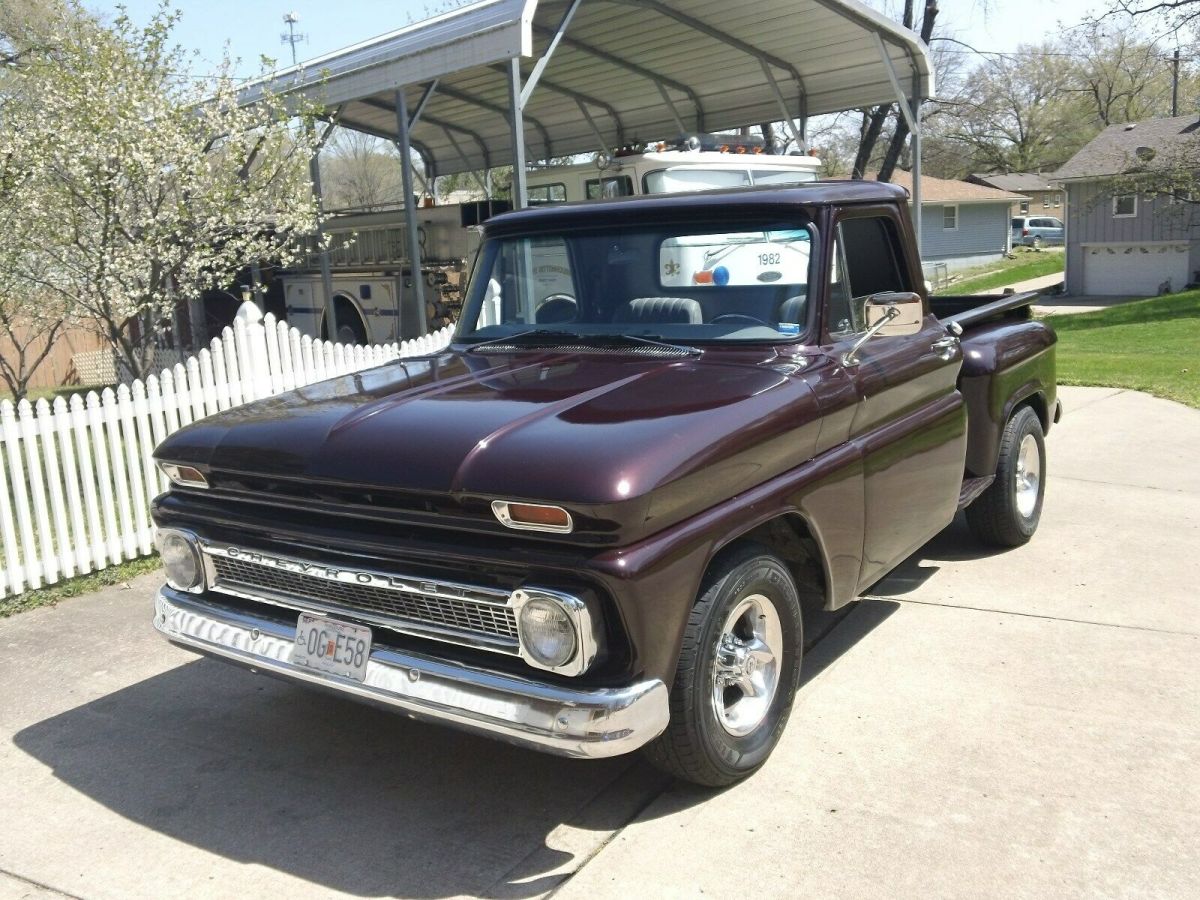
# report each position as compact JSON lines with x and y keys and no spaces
{"x":945,"y":347}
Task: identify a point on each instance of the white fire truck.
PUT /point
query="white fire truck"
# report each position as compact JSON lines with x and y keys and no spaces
{"x":369,"y":258}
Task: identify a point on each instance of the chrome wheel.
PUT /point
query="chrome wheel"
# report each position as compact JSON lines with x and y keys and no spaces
{"x":1029,"y":475}
{"x":746,"y":668}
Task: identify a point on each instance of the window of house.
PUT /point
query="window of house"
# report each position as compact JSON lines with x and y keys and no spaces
{"x":547,"y":193}
{"x":1045,"y":201}
{"x":866,"y":261}
{"x":613,"y":186}
{"x":1024,"y":208}
{"x":949,"y":218}
{"x":1057,"y":200}
{"x":1124,"y":206}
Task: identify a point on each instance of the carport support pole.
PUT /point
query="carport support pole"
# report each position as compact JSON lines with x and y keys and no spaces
{"x":410,"y":215}
{"x":314,"y":171}
{"x":520,"y":197}
{"x":916,"y":165}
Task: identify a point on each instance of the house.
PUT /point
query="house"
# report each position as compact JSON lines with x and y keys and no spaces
{"x":962,"y":224}
{"x":1042,"y":197}
{"x":1130,"y":244}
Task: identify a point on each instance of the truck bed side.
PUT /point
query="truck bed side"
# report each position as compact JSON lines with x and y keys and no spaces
{"x":1008,"y":361}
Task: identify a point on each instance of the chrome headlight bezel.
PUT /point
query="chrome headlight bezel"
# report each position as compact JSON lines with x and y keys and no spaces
{"x":199,"y":583}
{"x":583,"y":621}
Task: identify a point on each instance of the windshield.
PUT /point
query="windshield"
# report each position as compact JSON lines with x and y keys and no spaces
{"x":679,"y":283}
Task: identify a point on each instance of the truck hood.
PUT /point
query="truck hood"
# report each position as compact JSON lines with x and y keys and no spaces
{"x":591,"y":429}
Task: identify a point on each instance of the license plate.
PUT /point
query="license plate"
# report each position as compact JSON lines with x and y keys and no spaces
{"x":327,"y":645}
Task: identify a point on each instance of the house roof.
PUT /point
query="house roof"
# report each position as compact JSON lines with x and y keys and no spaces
{"x":1119,"y":148}
{"x":1014,"y":181}
{"x":943,"y":190}
{"x":605,"y":84}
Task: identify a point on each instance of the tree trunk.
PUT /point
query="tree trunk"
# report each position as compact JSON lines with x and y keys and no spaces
{"x":900,"y":135}
{"x":770,"y":137}
{"x":872,"y":126}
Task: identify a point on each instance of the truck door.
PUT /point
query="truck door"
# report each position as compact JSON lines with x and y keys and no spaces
{"x":910,"y":421}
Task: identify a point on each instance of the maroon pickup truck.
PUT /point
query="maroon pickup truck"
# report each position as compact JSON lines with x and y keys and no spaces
{"x":664,"y":427}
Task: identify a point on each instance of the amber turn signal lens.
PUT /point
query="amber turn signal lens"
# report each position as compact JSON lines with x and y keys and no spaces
{"x":539,"y":515}
{"x":532,"y":516}
{"x":186,"y":476}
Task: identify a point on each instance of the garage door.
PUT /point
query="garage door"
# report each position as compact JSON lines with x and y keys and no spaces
{"x":1134,"y":269}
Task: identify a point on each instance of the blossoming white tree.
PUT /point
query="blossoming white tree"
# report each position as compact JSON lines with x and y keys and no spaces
{"x":143,"y":185}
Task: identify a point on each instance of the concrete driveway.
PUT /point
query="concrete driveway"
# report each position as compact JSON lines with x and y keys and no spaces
{"x":1024,"y":724}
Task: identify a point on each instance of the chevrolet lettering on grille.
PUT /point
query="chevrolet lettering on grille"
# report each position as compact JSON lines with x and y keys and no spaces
{"x":331,"y":573}
{"x":481,"y":617}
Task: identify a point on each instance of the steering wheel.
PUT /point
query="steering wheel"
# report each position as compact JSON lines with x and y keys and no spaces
{"x":556,"y":308}
{"x":740,"y":317}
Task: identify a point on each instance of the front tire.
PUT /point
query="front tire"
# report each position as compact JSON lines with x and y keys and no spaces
{"x":739,"y":668}
{"x":1008,"y":512}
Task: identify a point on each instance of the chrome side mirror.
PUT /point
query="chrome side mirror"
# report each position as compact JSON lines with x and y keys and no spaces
{"x":909,"y":315}
{"x":891,"y":314}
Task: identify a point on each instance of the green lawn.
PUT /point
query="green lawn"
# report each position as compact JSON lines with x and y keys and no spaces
{"x":1148,"y":345}
{"x":81,"y":584}
{"x":1027,"y":265}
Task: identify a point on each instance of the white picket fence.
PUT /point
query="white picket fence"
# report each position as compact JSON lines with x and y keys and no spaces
{"x":76,"y":479}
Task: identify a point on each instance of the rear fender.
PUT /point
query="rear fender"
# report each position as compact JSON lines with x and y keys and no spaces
{"x":1005,"y":365}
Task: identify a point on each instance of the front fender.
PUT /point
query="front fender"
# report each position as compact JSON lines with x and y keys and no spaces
{"x":657,"y":579}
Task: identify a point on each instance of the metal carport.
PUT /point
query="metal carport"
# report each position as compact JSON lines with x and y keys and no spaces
{"x":501,"y":82}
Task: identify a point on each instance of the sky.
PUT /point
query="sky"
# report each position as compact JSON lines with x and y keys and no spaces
{"x":253,"y":27}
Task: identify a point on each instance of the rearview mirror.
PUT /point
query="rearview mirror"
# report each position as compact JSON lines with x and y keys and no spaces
{"x":908,"y":316}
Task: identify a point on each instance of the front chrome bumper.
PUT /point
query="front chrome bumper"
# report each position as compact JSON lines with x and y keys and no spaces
{"x":585,"y":723}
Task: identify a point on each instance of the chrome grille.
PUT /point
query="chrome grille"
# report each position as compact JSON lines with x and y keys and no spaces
{"x":492,"y":622}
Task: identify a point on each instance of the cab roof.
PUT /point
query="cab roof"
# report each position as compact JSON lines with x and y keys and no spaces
{"x":724,"y":203}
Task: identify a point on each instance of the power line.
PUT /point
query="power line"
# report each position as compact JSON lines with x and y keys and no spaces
{"x":968,"y":50}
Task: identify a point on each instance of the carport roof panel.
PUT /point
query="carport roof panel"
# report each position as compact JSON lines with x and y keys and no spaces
{"x":708,"y":54}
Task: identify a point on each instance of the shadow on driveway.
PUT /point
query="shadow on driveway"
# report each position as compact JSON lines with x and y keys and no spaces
{"x":347,"y":797}
{"x":954,"y":543}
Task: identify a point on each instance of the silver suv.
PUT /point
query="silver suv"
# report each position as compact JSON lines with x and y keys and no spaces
{"x":1036,"y":231}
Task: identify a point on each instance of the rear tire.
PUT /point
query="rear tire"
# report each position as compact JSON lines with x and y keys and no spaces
{"x":738,"y":671}
{"x":1007,"y":513}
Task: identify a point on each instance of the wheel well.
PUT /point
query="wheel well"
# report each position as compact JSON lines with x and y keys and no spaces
{"x":348,"y":315}
{"x":788,"y":537}
{"x":1036,"y":402}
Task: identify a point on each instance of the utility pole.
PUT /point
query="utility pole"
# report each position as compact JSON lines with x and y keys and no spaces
{"x":1175,"y":83}
{"x":290,"y":19}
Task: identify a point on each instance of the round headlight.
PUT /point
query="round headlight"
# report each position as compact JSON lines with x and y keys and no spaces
{"x":181,"y":560}
{"x":547,"y":633}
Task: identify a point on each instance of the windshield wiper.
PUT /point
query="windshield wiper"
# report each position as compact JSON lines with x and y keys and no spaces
{"x":537,"y":335}
{"x":520,"y":336}
{"x":653,"y":340}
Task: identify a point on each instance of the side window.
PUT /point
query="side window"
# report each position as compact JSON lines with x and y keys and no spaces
{"x":668,"y":181}
{"x":782,"y":176}
{"x":866,"y":261}
{"x":613,"y":186}
{"x":548,"y":193}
